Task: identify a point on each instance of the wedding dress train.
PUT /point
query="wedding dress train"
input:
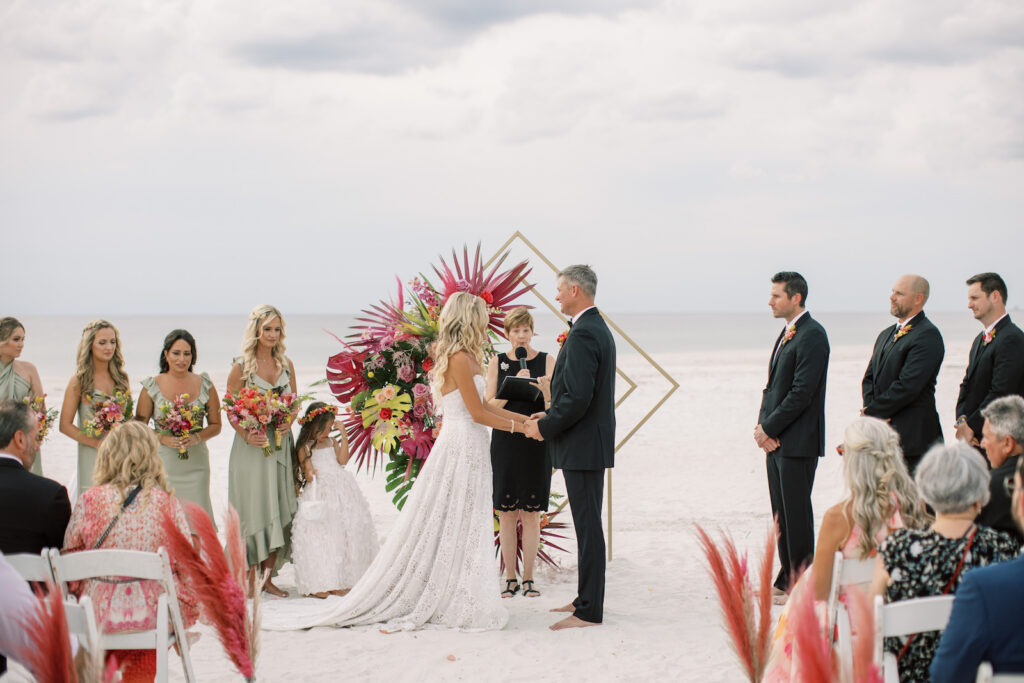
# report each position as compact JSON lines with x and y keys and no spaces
{"x":437,"y":565}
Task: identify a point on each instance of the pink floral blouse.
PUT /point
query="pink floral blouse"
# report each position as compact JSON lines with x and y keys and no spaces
{"x":129,"y":606}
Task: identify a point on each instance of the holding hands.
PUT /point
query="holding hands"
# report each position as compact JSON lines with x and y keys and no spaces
{"x":530,"y":427}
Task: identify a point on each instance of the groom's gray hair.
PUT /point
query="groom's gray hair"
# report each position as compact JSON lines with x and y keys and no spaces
{"x":583,"y":277}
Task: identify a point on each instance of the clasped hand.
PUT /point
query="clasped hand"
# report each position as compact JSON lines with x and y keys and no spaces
{"x":763,"y":441}
{"x":530,"y":427}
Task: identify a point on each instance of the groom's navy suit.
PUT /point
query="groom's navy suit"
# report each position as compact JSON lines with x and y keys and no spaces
{"x":579,"y":429}
{"x":793,"y":412}
{"x":899,"y":385}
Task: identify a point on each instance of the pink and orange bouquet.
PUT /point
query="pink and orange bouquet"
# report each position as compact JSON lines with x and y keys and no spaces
{"x":44,"y":418}
{"x":249,"y":410}
{"x":179,"y":419}
{"x":284,"y":408}
{"x":108,"y":412}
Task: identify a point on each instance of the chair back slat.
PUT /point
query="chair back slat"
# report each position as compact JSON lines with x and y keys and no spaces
{"x":919,"y":615}
{"x":88,"y":564}
{"x":32,"y":567}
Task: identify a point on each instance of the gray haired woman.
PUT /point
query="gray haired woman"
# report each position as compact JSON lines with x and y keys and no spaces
{"x":914,"y":563}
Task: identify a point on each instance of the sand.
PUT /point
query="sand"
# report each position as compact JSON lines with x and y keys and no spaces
{"x":694,"y":462}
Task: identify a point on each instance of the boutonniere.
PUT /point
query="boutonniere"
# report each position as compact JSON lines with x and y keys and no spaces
{"x":504,"y":365}
{"x":562,"y":337}
{"x":790,"y":333}
{"x":902,"y":332}
{"x":987,"y":337}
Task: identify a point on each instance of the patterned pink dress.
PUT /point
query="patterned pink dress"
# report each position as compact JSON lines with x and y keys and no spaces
{"x":129,"y":606}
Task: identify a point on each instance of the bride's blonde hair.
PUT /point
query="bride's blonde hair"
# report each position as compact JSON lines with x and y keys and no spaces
{"x":462,"y":326}
{"x":250,"y":340}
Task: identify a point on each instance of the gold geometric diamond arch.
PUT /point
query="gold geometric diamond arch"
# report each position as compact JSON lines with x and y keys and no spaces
{"x":673,"y":385}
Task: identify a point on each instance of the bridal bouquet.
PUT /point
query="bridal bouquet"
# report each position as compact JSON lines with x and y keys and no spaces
{"x":381,"y":373}
{"x":44,"y":418}
{"x":249,"y":410}
{"x":108,"y":412}
{"x":180,"y":418}
{"x":284,"y":408}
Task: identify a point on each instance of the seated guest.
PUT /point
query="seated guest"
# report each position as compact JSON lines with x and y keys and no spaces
{"x":881,"y":497}
{"x":34,"y":511}
{"x":130,"y":489}
{"x":914,"y":563}
{"x":17,"y":604}
{"x":1002,"y":437}
{"x":987,"y":624}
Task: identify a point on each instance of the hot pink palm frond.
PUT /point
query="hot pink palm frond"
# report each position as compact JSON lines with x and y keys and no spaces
{"x":502,"y":288}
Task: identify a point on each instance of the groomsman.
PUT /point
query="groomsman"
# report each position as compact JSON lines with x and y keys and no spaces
{"x":996,"y":365}
{"x":899,"y":384}
{"x":791,"y":423}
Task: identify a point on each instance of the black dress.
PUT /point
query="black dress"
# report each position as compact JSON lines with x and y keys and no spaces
{"x":521,"y":466}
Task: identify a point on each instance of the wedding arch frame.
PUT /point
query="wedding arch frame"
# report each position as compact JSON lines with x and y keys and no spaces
{"x":673,"y":384}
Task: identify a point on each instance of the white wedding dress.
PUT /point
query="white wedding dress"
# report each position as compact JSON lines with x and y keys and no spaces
{"x":437,"y":565}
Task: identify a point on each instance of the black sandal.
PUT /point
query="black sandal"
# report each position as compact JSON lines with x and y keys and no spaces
{"x":529,"y":591}
{"x":511,"y":588}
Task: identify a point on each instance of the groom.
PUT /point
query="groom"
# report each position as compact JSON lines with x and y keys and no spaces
{"x":580,"y":430}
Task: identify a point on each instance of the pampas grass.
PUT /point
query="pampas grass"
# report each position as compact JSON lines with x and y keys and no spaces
{"x":49,"y":657}
{"x":862,"y":623}
{"x":216,"y":581}
{"x":749,"y":633}
{"x":812,"y":653}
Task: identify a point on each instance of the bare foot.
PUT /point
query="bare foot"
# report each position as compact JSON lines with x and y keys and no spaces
{"x":567,"y":608}
{"x":571,"y":622}
{"x":274,"y":590}
{"x":322,"y":595}
{"x":780,"y":599}
{"x":340,"y":591}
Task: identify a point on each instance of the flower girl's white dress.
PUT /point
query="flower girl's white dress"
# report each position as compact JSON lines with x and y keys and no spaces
{"x":332,"y":550}
{"x":437,"y":565}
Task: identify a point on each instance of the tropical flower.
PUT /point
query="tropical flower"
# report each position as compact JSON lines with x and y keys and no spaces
{"x":108,"y":411}
{"x":44,"y":418}
{"x":249,"y":410}
{"x":902,"y":332}
{"x":180,"y":418}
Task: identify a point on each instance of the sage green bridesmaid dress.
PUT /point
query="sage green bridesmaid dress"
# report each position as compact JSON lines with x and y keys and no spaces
{"x":86,"y":454}
{"x":262,"y":487}
{"x":15,"y":387}
{"x":189,"y":477}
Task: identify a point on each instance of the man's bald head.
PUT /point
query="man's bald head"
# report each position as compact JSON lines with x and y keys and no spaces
{"x":909,"y":295}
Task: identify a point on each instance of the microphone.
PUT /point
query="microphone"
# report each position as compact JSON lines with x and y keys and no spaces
{"x":521,"y":355}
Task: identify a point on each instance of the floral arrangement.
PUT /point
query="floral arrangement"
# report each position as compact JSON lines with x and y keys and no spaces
{"x":284,"y":408}
{"x":381,"y":373}
{"x":987,"y":337}
{"x":790,"y":333}
{"x":249,"y":410}
{"x":902,"y":332}
{"x":560,"y":339}
{"x":317,"y":412}
{"x":44,"y":418}
{"x":108,"y":412}
{"x":180,"y":418}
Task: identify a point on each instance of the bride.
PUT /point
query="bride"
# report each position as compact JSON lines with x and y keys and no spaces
{"x":437,"y":564}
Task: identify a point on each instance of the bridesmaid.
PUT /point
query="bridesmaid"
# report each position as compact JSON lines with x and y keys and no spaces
{"x":100,"y":373}
{"x":188,"y":473}
{"x":260,"y":487}
{"x":18,"y":379}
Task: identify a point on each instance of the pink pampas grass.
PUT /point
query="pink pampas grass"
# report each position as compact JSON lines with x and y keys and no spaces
{"x":748,"y":632}
{"x":49,"y":657}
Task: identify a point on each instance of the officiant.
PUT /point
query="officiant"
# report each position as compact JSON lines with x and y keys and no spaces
{"x":519,"y":381}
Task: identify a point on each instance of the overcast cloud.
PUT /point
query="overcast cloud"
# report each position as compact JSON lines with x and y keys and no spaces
{"x":163,"y":156}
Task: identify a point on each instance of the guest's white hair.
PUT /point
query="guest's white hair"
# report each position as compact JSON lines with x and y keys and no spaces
{"x":1006,"y":417}
{"x":953,"y":478}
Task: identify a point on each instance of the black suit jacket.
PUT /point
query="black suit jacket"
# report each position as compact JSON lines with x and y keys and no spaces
{"x":579,"y":428}
{"x":793,"y":402}
{"x":899,"y":384}
{"x":34,"y":510}
{"x":995,"y":369}
{"x":998,"y":513}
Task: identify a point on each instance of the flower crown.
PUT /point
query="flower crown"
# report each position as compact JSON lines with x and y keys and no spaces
{"x":316,"y":412}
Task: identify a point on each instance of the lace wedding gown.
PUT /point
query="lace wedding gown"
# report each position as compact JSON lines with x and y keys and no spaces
{"x":437,"y":565}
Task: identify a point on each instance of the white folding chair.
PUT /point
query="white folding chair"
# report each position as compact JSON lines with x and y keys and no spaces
{"x":32,"y":567}
{"x":134,"y":564}
{"x":985,"y":675}
{"x":82,"y":622}
{"x":846,"y":572}
{"x":902,"y":618}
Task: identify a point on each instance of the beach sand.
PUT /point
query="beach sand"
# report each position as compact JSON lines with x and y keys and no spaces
{"x":693,"y":462}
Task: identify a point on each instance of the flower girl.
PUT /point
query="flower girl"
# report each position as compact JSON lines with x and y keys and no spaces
{"x":333,"y":540}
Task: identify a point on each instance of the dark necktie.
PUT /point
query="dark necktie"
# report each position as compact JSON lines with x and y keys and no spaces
{"x":570,"y":323}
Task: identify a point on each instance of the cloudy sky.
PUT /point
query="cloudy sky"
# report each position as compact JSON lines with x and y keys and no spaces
{"x":172,"y":156}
